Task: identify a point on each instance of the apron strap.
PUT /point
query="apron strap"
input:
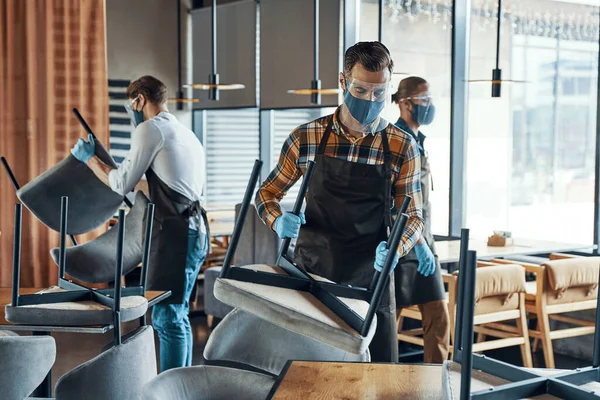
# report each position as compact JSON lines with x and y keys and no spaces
{"x":325,"y":138}
{"x":387,"y":164}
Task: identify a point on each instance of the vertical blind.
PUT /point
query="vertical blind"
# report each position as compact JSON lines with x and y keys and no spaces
{"x":231,"y":142}
{"x":120,"y":124}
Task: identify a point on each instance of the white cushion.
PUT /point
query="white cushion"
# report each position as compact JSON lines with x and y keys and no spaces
{"x":295,"y":310}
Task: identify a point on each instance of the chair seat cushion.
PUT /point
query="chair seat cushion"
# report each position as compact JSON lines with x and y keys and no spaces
{"x":95,"y":261}
{"x":296,"y":311}
{"x":499,"y":280}
{"x":247,"y":339}
{"x":91,"y":202}
{"x":572,"y":272}
{"x":208,"y":383}
{"x":81,"y":313}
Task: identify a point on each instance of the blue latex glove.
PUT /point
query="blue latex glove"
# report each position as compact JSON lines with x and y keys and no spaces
{"x":83,"y":150}
{"x":288,"y":225}
{"x":381,"y":254}
{"x":426,"y":259}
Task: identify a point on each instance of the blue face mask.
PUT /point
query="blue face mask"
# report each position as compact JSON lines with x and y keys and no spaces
{"x":422,"y":115}
{"x":136,"y":116}
{"x":364,"y":111}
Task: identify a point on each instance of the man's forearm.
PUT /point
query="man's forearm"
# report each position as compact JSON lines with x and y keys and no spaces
{"x":99,"y":169}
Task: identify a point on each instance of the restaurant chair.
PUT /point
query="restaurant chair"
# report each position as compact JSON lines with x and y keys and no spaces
{"x":24,"y":363}
{"x":71,"y":304}
{"x":415,"y":335}
{"x":499,"y":297}
{"x":500,"y":294}
{"x":246,"y":340}
{"x":208,"y":383}
{"x":258,"y":244}
{"x":120,"y":372}
{"x":562,"y":285}
{"x":213,"y":307}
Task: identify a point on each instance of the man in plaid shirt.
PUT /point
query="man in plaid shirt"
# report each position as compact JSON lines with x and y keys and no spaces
{"x":362,"y":164}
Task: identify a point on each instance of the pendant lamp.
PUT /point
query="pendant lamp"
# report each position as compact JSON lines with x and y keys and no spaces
{"x":497,"y":72}
{"x":213,"y":86}
{"x":315,"y":90}
{"x":180,"y":99}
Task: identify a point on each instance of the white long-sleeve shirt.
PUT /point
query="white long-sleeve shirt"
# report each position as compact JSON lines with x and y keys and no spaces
{"x":172,"y":151}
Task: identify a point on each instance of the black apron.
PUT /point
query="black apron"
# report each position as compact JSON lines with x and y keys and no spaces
{"x":168,"y":252}
{"x":412,"y":287}
{"x":347,"y":215}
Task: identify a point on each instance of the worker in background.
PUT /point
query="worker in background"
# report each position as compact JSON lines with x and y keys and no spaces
{"x":362,"y":163}
{"x":172,"y":158}
{"x":418,"y":276}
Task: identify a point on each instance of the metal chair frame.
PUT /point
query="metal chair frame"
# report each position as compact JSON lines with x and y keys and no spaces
{"x":298,"y":279}
{"x":522,"y":383}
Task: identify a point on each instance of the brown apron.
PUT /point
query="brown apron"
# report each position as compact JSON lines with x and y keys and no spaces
{"x":168,"y":253}
{"x":347,"y":215}
{"x":412,"y":287}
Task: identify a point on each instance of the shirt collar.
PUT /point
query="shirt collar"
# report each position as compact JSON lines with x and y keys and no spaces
{"x":338,"y":127}
{"x":419,"y":137}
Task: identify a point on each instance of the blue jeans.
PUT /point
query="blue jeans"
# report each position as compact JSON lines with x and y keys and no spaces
{"x":171,"y":321}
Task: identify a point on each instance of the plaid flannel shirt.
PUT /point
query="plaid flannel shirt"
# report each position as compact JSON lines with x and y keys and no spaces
{"x":301,"y":146}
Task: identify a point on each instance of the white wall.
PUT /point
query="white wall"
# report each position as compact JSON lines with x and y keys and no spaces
{"x":142,"y":40}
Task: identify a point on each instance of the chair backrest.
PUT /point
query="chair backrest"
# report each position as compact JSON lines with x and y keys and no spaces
{"x":570,"y":280}
{"x":246,"y":339}
{"x":258,"y":243}
{"x":118,"y":373}
{"x":497,"y":286}
{"x":24,"y":363}
{"x":204,"y":382}
{"x":94,"y":261}
{"x":92,"y":203}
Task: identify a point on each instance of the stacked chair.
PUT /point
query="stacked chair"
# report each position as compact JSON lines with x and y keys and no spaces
{"x":474,"y":376}
{"x":121,"y":370}
{"x":500,"y":296}
{"x":279,"y":314}
{"x":25,"y":362}
{"x":563,"y":284}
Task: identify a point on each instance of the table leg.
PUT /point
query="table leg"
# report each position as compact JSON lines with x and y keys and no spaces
{"x":44,"y":390}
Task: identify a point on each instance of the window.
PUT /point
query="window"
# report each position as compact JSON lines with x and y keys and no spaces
{"x":231,"y":141}
{"x":530,"y":166}
{"x":418,"y":35}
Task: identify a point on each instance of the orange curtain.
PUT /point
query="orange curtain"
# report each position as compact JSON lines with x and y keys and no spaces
{"x":52,"y":59}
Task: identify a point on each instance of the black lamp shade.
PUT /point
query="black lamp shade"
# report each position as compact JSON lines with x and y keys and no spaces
{"x":496,"y":82}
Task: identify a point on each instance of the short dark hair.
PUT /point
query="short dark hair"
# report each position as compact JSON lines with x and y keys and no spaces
{"x":374,"y":56}
{"x":153,"y":89}
{"x":408,"y":87}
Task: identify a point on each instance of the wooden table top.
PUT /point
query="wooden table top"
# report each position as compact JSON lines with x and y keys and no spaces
{"x":369,"y":381}
{"x":449,"y":251}
{"x":153,"y":297}
{"x":333,"y":380}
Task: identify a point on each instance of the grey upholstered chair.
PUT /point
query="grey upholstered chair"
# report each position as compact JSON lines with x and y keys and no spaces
{"x":248,"y":340}
{"x":204,"y":382}
{"x":213,"y":307}
{"x":24,"y":363}
{"x":258,"y":245}
{"x":118,"y":373}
